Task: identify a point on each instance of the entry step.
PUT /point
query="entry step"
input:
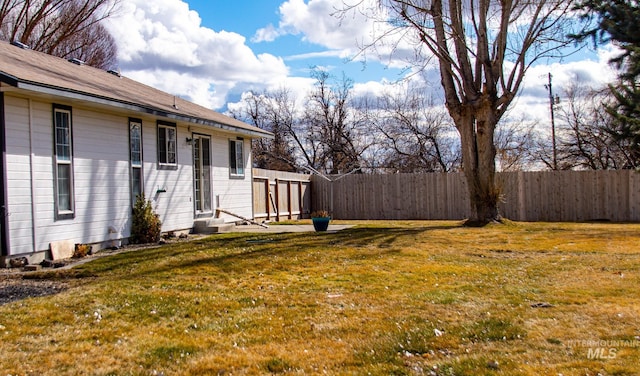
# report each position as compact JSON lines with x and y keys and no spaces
{"x":212,"y":226}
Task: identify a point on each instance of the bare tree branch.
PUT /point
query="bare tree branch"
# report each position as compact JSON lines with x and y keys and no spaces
{"x":483,"y":49}
{"x":64,"y":28}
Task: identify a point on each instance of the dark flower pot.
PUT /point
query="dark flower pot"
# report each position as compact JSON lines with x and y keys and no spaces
{"x":321,"y":223}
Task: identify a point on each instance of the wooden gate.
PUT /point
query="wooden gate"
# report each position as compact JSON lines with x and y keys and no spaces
{"x":279,"y":196}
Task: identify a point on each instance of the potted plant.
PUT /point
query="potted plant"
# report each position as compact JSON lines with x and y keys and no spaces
{"x":320,"y":219}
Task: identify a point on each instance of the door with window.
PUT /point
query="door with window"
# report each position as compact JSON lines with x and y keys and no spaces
{"x":202,"y":173}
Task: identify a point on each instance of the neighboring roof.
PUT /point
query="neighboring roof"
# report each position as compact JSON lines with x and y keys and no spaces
{"x":39,"y":72}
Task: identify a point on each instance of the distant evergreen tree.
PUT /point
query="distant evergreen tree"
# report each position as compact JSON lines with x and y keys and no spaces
{"x":615,"y":21}
{"x":626,"y":125}
{"x":618,"y":22}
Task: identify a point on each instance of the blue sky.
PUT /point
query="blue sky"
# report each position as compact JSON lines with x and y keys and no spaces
{"x":211,"y":52}
{"x":246,"y":17}
{"x":299,"y":53}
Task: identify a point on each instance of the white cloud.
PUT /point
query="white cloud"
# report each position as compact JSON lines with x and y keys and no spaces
{"x":162,"y":43}
{"x":323,"y":23}
{"x":352,"y":30}
{"x":533,"y":100}
{"x":312,"y":55}
{"x":266,"y":34}
{"x":318,"y":22}
{"x":299,"y":89}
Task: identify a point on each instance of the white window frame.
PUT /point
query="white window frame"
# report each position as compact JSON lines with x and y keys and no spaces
{"x":164,"y":146}
{"x":135,"y":161}
{"x":63,"y":159}
{"x":236,"y":158}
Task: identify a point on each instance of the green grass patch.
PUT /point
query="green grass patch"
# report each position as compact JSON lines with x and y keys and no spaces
{"x":381,"y":298}
{"x":493,"y":329}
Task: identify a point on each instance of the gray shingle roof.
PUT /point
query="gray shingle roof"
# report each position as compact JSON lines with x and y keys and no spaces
{"x":36,"y":71}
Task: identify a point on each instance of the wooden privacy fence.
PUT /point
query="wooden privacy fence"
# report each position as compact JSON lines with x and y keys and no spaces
{"x":527,"y":196}
{"x":280,"y":195}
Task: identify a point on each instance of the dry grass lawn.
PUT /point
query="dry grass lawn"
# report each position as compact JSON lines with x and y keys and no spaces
{"x":399,"y":298}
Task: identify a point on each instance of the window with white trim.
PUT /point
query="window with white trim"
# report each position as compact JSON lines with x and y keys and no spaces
{"x":63,"y":157}
{"x":135,"y":152}
{"x":236,"y":157}
{"x":167,"y":145}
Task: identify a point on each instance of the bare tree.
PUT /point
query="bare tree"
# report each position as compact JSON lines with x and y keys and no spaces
{"x":330,"y":126}
{"x":417,"y":136}
{"x":326,"y":133}
{"x":515,"y":145}
{"x":586,"y":137}
{"x":483,"y":49}
{"x":64,"y":28}
{"x":276,"y":113}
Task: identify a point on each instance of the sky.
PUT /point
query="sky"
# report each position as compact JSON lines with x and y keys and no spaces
{"x":212,"y":51}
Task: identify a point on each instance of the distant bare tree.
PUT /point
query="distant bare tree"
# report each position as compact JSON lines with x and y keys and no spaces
{"x":586,"y":138}
{"x":417,"y":136}
{"x":515,"y":145}
{"x":331,"y":128}
{"x":276,"y":113}
{"x":64,"y":28}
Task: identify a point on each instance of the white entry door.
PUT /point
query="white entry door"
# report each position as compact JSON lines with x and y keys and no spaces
{"x":202,"y":173}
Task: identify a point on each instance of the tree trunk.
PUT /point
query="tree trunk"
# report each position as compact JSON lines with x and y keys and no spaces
{"x":476,"y":130}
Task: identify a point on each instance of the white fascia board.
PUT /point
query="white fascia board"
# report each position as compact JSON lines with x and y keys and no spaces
{"x":70,"y":94}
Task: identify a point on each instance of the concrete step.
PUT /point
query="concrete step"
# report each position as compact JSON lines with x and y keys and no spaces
{"x":211,"y":226}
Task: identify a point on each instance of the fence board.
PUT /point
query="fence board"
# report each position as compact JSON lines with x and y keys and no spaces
{"x":279,"y":195}
{"x":527,"y":196}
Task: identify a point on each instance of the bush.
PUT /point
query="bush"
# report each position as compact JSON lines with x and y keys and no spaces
{"x":81,"y":250}
{"x":146,"y":225}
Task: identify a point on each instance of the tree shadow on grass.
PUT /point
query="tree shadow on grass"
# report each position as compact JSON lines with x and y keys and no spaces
{"x":240,"y":251}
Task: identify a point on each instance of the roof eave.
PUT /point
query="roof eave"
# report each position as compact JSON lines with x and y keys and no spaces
{"x":71,"y":94}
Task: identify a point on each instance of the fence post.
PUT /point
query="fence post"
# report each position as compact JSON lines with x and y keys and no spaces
{"x":289,"y":208}
{"x":267,"y":190}
{"x":277,"y":200}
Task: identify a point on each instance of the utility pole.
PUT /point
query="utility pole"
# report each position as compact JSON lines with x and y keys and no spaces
{"x":552,"y":102}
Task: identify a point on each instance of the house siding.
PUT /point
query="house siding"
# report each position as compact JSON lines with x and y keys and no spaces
{"x":232,"y":194}
{"x":100,"y":173}
{"x":19,"y":207}
{"x":174,"y":206}
{"x":102,"y":177}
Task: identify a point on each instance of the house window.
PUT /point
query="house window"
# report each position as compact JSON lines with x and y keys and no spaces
{"x":236,"y":158}
{"x":167,"y":135}
{"x":135,"y":151}
{"x":63,"y":156}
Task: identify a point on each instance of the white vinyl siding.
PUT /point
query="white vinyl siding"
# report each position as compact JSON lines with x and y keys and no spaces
{"x":169,"y":188}
{"x":102,"y":164}
{"x":20,"y":215}
{"x":231,"y":193}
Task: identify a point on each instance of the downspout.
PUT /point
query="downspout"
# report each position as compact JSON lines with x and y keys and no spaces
{"x":4,"y":214}
{"x":250,"y":169}
{"x":33,"y":180}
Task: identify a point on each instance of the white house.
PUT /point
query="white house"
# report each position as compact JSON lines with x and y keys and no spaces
{"x":78,"y":144}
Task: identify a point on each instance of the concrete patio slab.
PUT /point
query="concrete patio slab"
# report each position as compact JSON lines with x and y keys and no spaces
{"x":286,"y":228}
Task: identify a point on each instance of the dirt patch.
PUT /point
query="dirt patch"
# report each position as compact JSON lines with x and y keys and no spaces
{"x":17,"y":284}
{"x":13,"y":287}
